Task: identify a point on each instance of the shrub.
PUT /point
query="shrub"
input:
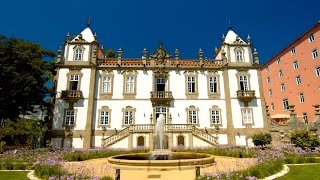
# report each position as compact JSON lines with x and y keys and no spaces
{"x":46,"y":171}
{"x":304,"y":139}
{"x":262,"y":139}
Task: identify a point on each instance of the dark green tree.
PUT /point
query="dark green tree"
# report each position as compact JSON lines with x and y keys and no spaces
{"x":304,"y":139}
{"x":110,"y":53}
{"x":262,"y":139}
{"x":23,"y":77}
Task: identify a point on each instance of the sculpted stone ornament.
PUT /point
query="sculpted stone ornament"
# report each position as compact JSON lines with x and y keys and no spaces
{"x":160,"y":55}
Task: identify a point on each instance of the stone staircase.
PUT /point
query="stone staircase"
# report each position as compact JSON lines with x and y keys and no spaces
{"x":116,"y":137}
{"x":148,"y":128}
{"x":201,"y":134}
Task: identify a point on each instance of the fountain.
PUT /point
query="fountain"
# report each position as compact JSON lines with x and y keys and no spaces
{"x":161,"y":155}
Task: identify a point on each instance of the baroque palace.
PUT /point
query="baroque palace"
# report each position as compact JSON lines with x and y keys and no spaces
{"x":115,"y":102}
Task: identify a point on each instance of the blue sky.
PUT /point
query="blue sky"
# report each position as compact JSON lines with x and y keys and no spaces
{"x":184,"y":24}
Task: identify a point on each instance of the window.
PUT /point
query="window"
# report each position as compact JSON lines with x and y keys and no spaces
{"x":74,"y":78}
{"x":298,"y":80}
{"x":272,"y":106}
{"x":305,"y":117}
{"x":318,"y":71}
{"x":285,"y":104}
{"x":278,"y":60}
{"x":191,"y":80}
{"x":267,"y":68}
{"x":213,"y":85}
{"x":293,"y":50}
{"x":247,"y":116}
{"x":191,"y":84}
{"x":243,"y":83}
{"x":129,"y":84}
{"x":295,"y":65}
{"x":268,"y":80}
{"x":283,"y":87}
{"x":106,"y":85}
{"x":311,"y":37}
{"x":239,"y":55}
{"x":280,"y":73}
{"x":215,"y":116}
{"x":128,"y":116}
{"x":315,"y":54}
{"x":192,"y":115}
{"x":73,"y":82}
{"x":270,"y":92}
{"x":78,"y":53}
{"x":301,"y":98}
{"x":70,"y":117}
{"x":161,"y":84}
{"x":104,"y":117}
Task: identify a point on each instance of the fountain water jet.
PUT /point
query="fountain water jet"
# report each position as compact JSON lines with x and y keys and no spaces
{"x":159,"y":153}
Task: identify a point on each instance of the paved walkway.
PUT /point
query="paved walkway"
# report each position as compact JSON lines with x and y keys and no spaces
{"x":100,"y":168}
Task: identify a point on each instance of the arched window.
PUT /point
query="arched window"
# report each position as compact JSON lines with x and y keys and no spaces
{"x":239,"y":53}
{"x":78,"y":53}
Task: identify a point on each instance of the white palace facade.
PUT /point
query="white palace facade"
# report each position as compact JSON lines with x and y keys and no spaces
{"x":114,"y":102}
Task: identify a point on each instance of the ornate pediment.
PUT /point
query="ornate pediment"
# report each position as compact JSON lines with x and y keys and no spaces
{"x":160,"y":54}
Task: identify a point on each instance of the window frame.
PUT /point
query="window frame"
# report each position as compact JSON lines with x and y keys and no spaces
{"x":124,"y":111}
{"x":239,"y":54}
{"x":215,"y":108}
{"x":298,"y":80}
{"x":211,"y":94}
{"x":76,"y":53}
{"x":280,"y":73}
{"x":295,"y":65}
{"x":311,"y":37}
{"x":282,"y":87}
{"x":74,"y":73}
{"x":240,"y":74}
{"x":318,"y":71}
{"x":192,"y":109}
{"x":301,"y":98}
{"x":293,"y":50}
{"x":191,"y":95}
{"x":104,"y":109}
{"x":129,"y":95}
{"x":278,"y":60}
{"x":285,"y":103}
{"x":68,"y":125}
{"x":243,"y":113}
{"x":103,"y":94}
{"x":315,"y":54}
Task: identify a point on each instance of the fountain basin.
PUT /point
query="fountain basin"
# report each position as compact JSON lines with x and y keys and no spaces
{"x":176,"y":159}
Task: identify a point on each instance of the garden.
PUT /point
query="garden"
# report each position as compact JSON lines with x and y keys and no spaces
{"x":263,"y":160}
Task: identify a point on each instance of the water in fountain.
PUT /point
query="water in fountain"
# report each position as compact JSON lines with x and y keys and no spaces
{"x":159,"y":154}
{"x":159,"y":130}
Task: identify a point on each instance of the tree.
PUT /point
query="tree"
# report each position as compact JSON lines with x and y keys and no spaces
{"x":304,"y":139}
{"x":262,"y":139}
{"x":23,"y":77}
{"x":110,"y":53}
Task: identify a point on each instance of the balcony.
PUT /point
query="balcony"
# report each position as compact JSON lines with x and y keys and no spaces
{"x":71,"y":96}
{"x":161,"y":98}
{"x":246,"y":95}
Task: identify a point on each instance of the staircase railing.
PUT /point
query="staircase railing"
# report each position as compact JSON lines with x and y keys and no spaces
{"x":116,"y":137}
{"x":204,"y":136}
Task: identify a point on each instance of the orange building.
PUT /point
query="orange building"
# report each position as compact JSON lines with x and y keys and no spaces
{"x":292,"y":77}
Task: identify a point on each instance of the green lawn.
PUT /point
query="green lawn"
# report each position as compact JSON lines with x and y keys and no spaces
{"x":302,"y":172}
{"x":16,"y":175}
